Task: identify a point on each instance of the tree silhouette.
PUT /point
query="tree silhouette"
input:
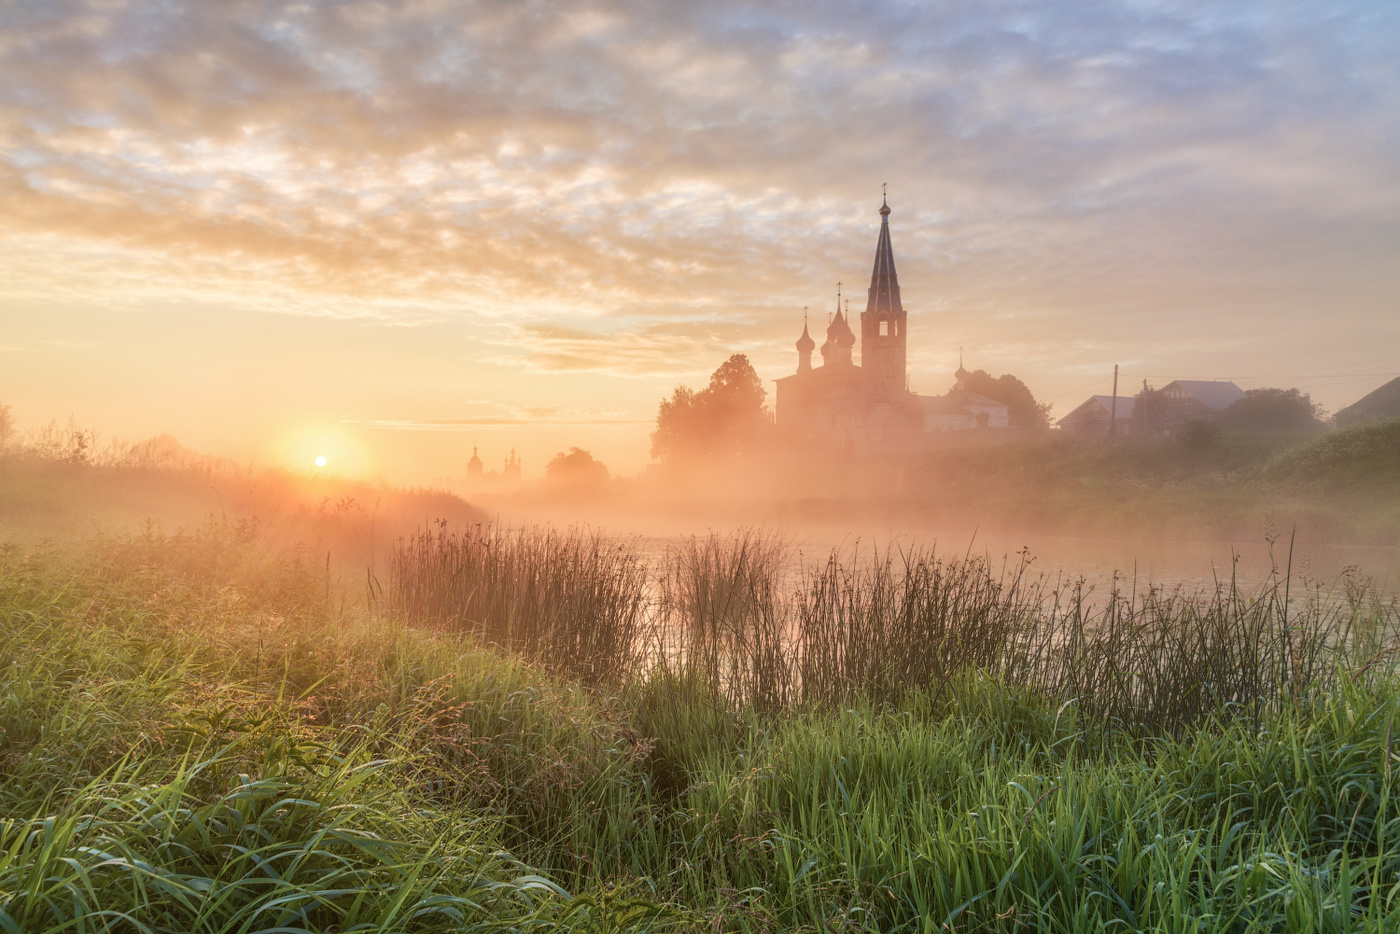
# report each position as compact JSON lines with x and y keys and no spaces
{"x":1151,"y":411}
{"x":577,"y":466}
{"x":1022,"y":411}
{"x":723,"y":422}
{"x":1273,"y":410}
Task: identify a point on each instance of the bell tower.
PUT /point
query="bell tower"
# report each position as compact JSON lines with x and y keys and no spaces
{"x":883,"y":325}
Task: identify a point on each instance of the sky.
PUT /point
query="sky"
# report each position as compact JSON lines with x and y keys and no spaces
{"x":392,"y":232}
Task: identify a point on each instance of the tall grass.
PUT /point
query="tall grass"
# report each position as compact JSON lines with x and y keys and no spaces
{"x":1148,"y":659}
{"x":723,"y":618}
{"x":896,"y":621}
{"x":179,"y":753}
{"x":576,"y":598}
{"x":322,"y":840}
{"x":735,"y":620}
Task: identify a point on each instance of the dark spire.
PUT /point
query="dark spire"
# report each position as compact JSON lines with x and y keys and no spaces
{"x":884,"y":283}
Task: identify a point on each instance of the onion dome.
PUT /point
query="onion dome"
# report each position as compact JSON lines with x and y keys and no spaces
{"x":840,"y":332}
{"x":805,"y":344}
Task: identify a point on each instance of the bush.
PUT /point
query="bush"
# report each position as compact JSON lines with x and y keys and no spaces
{"x":1367,"y":455}
{"x":1273,"y":410}
{"x":1198,"y":435}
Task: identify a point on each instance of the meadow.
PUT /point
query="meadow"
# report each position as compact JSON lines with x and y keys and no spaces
{"x":536,"y":728}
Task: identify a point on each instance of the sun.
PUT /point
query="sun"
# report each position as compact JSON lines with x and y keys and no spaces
{"x":321,"y":461}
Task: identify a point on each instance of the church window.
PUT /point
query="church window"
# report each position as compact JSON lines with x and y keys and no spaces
{"x":884,"y":329}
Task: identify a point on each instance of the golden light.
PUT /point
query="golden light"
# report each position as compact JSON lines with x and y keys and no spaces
{"x":321,"y":447}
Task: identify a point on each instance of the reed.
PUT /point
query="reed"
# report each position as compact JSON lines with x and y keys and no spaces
{"x":724,"y":617}
{"x":575,"y":599}
{"x":896,"y":621}
{"x":1152,"y":660}
{"x":177,"y":754}
{"x":734,"y":621}
{"x":1149,"y":660}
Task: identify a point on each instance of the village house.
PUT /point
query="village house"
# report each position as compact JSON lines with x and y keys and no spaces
{"x":1095,"y":416}
{"x":1153,"y":411}
{"x":1379,"y":403}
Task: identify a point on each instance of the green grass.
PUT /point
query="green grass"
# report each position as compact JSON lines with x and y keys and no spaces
{"x":193,"y":737}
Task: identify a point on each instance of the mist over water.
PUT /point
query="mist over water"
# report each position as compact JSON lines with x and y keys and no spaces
{"x":1100,"y":561}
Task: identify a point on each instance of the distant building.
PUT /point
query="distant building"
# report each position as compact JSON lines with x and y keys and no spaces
{"x":479,"y":476}
{"x":1199,"y":399}
{"x":1381,"y":403}
{"x":1153,"y":411}
{"x":867,"y":408}
{"x":1093,"y":417}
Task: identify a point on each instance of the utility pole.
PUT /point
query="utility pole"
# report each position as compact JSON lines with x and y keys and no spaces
{"x":1113,"y":412}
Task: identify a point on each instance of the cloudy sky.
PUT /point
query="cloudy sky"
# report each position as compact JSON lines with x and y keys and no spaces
{"x":392,"y":231}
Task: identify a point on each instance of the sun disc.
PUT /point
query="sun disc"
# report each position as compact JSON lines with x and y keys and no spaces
{"x":321,"y":461}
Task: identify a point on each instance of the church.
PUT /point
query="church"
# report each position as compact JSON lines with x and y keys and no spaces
{"x":866,"y":408}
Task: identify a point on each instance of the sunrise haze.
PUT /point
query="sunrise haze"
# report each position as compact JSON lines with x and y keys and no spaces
{"x":388,"y":233}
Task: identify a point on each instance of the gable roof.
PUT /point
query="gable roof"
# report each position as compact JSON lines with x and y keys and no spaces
{"x":1125,"y":407}
{"x":1379,"y":403}
{"x":1214,"y":394}
{"x":955,"y":402}
{"x":968,"y":397}
{"x":941,"y":405}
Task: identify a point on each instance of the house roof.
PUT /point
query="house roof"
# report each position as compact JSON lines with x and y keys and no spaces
{"x":965,"y":397}
{"x":1125,"y":407}
{"x":955,"y":402}
{"x":1214,"y":394}
{"x":942,"y":405}
{"x":1378,"y":403}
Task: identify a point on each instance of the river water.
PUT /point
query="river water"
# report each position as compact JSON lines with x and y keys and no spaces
{"x":1190,"y":563}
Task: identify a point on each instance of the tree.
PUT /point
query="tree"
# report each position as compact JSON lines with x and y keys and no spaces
{"x":724,"y":421}
{"x":1273,"y":410}
{"x":576,"y":467}
{"x":1022,"y":411}
{"x":1151,"y":410}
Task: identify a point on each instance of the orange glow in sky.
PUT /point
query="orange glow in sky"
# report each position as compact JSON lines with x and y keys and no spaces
{"x":385,"y":234}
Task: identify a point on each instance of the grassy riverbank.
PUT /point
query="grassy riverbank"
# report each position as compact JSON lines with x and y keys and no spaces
{"x":196,"y":736}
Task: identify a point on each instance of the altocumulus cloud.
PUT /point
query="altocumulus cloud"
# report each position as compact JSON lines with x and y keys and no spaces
{"x":630,"y":187}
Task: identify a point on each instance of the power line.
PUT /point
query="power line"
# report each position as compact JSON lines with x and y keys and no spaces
{"x":1346,"y":376}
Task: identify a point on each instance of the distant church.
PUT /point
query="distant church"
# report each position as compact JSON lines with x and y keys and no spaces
{"x":477,"y":473}
{"x":867,"y":408}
